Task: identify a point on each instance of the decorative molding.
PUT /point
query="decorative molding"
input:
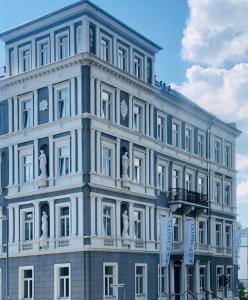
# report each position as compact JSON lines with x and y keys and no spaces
{"x":43,"y":105}
{"x":124,"y":109}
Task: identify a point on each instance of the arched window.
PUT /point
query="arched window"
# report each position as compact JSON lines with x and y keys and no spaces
{"x":79,"y":39}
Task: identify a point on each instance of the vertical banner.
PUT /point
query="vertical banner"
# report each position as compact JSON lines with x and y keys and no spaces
{"x":189,"y":241}
{"x":166,"y":230}
{"x":236,"y":245}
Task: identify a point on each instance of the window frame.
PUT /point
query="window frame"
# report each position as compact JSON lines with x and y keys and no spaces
{"x":115,"y":279}
{"x":191,"y":181}
{"x":204,"y":230}
{"x":58,"y":36}
{"x":204,"y":185}
{"x":229,"y":185}
{"x":105,"y":143}
{"x":230,"y":236}
{"x":163,"y":164}
{"x":58,"y":144}
{"x":230,"y":283}
{"x":162,"y":278}
{"x":23,"y":212}
{"x":141,"y":156}
{"x":57,"y":88}
{"x":217,"y":155}
{"x":21,"y":99}
{"x":111,"y":91}
{"x":178,"y":124}
{"x":21,"y":50}
{"x":140,"y":74}
{"x":204,"y":276}
{"x":189,"y":142}
{"x":39,"y":43}
{"x":59,"y":206}
{"x":219,"y":182}
{"x":227,"y":161}
{"x":113,"y":219}
{"x":162,"y":138}
{"x":126,"y":50}
{"x":57,"y":267}
{"x":144,"y":294}
{"x":203,"y":154}
{"x":23,"y":152}
{"x":217,"y":276}
{"x":22,"y":269}
{"x":179,"y":228}
{"x":180,"y":179}
{"x":140,"y":104}
{"x":221,"y":234}
{"x":109,"y":40}
{"x":142,"y":223}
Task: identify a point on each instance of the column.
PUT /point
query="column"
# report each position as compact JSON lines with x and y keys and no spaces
{"x":79,"y":93}
{"x":99,"y":216}
{"x":16,"y":155}
{"x":131,"y":212}
{"x":152,"y":168}
{"x":118,"y":151}
{"x":147,"y":120}
{"x":80,"y":215}
{"x":37,"y":224}
{"x":85,"y":34}
{"x":197,"y":279}
{"x":172,"y":278}
{"x":131,"y":60}
{"x":130,"y":112}
{"x":92,"y":95}
{"x":98,"y":98}
{"x":98,"y":149}
{"x":16,"y":113}
{"x":114,"y":51}
{"x":97,"y":40}
{"x":147,"y":224}
{"x":11,"y":220}
{"x":152,"y":223}
{"x":10,"y":165}
{"x":10,"y":114}
{"x":93,"y":150}
{"x":151,"y":121}
{"x":17,"y":226}
{"x":36,"y":160}
{"x":1,"y":230}
{"x":0,"y":172}
{"x":145,"y":66}
{"x":147,"y":181}
{"x":118,"y":221}
{"x":50,"y":105}
{"x":73,"y":216}
{"x":35,"y":107}
{"x":73,"y":150}
{"x":51,"y":161}
{"x":51,"y":223}
{"x":73,"y":97}
{"x":183,"y":278}
{"x":72,"y":40}
{"x":208,"y":285}
{"x":93,"y":215}
{"x":80,"y":150}
{"x":130,"y":161}
{"x":118,"y":99}
{"x":33,"y":53}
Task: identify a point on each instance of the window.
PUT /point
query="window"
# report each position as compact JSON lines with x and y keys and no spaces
{"x":137,"y":65}
{"x":110,"y":279}
{"x":175,"y":135}
{"x":149,"y":70}
{"x":138,"y":118}
{"x":161,"y":177}
{"x":190,"y":285}
{"x":107,"y":220}
{"x":227,"y":194}
{"x":26,"y":279}
{"x":43,"y":53}
{"x":162,"y":280}
{"x":122,"y":58}
{"x":105,"y":49}
{"x":27,"y":113}
{"x":11,"y":71}
{"x":217,"y":155}
{"x":63,"y":46}
{"x":107,"y":158}
{"x":218,"y":234}
{"x":161,"y":129}
{"x":106,"y":105}
{"x":229,"y":277}
{"x":227,"y":156}
{"x":228,"y":238}
{"x":188,"y":140}
{"x":28,"y":226}
{"x":138,"y":224}
{"x":25,"y":59}
{"x":140,"y":280}
{"x":201,"y":185}
{"x":176,"y":229}
{"x":189,"y":182}
{"x":201,"y":145}
{"x":62,"y":281}
{"x":175,"y":178}
{"x":27,"y":167}
{"x":202,"y":232}
{"x":202,"y":278}
{"x":64,"y":221}
{"x":219,"y":278}
{"x":217,"y":192}
{"x":63,"y":161}
{"x":137,"y":169}
{"x":63,"y":103}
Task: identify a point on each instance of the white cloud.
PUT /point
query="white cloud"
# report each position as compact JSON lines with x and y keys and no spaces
{"x":216,"y":32}
{"x":242,"y":192}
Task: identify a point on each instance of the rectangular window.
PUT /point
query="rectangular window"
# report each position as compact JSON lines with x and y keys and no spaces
{"x":190,"y":284}
{"x":201,"y":185}
{"x":63,"y":103}
{"x":107,"y":161}
{"x":110,"y":279}
{"x":161,"y":129}
{"x":27,"y":113}
{"x":62,"y":281}
{"x":227,"y":194}
{"x":201,"y":145}
{"x":25,"y":60}
{"x":228,"y":237}
{"x":27,"y":162}
{"x":217,"y":150}
{"x":176,"y":230}
{"x":63,"y":161}
{"x":175,"y":179}
{"x":161,"y":177}
{"x":122,"y":58}
{"x":149,"y":70}
{"x":137,"y":170}
{"x":217,"y":192}
{"x":137,"y":65}
{"x":229,"y":277}
{"x":218,"y":234}
{"x":188,"y":140}
{"x":138,"y":118}
{"x":162,"y":280}
{"x":43,"y":53}
{"x":64,"y":221}
{"x":63,"y":46}
{"x":202,"y":232}
{"x":140,"y":281}
{"x":105,"y":49}
{"x":202,"y":279}
{"x":138,"y":224}
{"x":106,"y":105}
{"x":107,"y":220}
{"x":228,"y":156}
{"x":175,"y":135}
{"x":189,"y":182}
{"x":26,"y":286}
{"x":219,"y":278}
{"x":28,"y":226}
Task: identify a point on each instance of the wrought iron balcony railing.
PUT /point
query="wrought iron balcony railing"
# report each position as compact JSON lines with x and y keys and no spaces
{"x":183,"y":195}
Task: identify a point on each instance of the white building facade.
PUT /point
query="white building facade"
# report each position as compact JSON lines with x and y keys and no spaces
{"x":93,"y":152}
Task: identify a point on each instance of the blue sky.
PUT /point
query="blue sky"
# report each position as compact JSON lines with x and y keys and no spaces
{"x":205,"y":53}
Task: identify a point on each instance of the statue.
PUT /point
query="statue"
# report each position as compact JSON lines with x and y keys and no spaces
{"x":43,"y":169}
{"x":44,"y":226}
{"x":125,"y":165}
{"x":125,"y":221}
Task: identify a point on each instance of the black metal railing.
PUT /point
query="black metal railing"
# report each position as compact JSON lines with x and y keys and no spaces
{"x":178,"y":194}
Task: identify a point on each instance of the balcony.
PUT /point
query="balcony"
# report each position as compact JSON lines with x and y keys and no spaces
{"x":177,"y":195}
